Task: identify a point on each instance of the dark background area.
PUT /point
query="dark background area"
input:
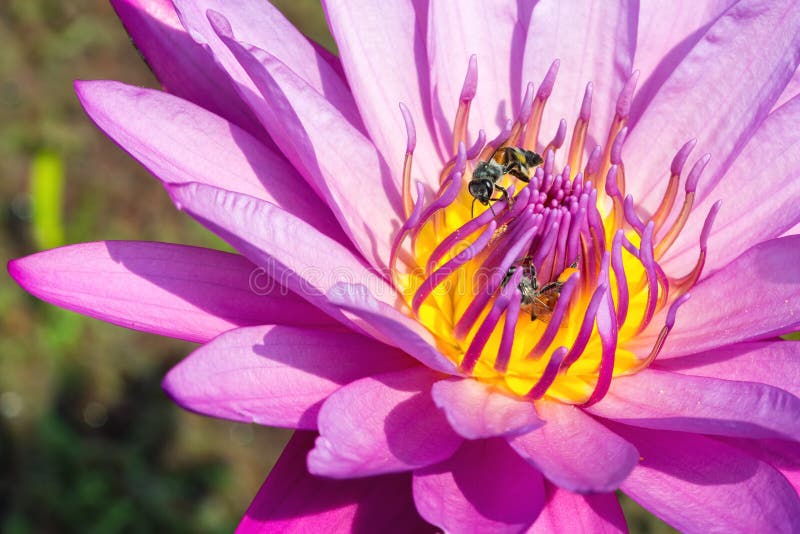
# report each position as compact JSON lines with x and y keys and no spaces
{"x":88,"y":441}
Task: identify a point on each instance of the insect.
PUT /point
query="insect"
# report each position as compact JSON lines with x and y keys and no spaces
{"x":515,"y":161}
{"x":540,"y":301}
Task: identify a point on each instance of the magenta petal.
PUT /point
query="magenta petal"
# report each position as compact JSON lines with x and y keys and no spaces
{"x":776,"y":363}
{"x":595,"y":42}
{"x":563,"y":511}
{"x":382,"y":424}
{"x":767,"y":277}
{"x":182,"y":66}
{"x":382,"y":47}
{"x":172,"y":290}
{"x":390,"y":325}
{"x":288,"y":247}
{"x":180,"y":142}
{"x":262,"y":25}
{"x":324,"y":147}
{"x":276,"y":375}
{"x":484,"y":487}
{"x":476,"y":410}
{"x":697,"y":484}
{"x":745,"y":59}
{"x":294,"y":501}
{"x":671,"y":401}
{"x":782,"y":455}
{"x":576,"y":452}
{"x":768,"y":164}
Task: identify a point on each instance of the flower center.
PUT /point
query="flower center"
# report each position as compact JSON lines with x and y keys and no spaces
{"x":534,"y":278}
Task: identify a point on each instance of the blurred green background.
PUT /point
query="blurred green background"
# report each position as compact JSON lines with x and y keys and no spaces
{"x":88,"y":441}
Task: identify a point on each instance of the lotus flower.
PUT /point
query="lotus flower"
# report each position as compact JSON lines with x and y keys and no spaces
{"x":466,"y":339}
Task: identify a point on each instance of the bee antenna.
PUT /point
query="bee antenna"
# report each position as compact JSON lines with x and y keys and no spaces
{"x":491,"y":207}
{"x":472,"y":209}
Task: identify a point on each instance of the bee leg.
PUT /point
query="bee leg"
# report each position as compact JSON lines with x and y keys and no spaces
{"x":504,"y":195}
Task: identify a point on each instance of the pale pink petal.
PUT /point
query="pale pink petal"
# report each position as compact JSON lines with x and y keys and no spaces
{"x":337,"y":160}
{"x":476,"y":410}
{"x":766,"y":277}
{"x":760,"y":196}
{"x":744,"y":60}
{"x":484,"y":487}
{"x":172,"y":290}
{"x":180,"y":142}
{"x":697,"y":484}
{"x":276,"y":375}
{"x":661,"y":46}
{"x":776,"y":363}
{"x":262,"y":25}
{"x":391,"y":326}
{"x":599,"y":513}
{"x":182,"y":66}
{"x":671,"y":401}
{"x":455,"y":34}
{"x":287,"y":247}
{"x":292,"y":501}
{"x":559,"y":450}
{"x":382,"y":424}
{"x":382,"y":47}
{"x":595,"y":42}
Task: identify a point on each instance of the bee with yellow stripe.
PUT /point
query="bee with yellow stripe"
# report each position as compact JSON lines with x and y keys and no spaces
{"x":513,"y":161}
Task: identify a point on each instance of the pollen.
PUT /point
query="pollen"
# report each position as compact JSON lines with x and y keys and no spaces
{"x":537,"y":278}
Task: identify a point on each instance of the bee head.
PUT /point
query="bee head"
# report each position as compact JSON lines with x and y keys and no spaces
{"x":481,"y":189}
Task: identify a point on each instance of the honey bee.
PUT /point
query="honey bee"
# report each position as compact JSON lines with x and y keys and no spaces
{"x":514,"y":161}
{"x":540,"y":302}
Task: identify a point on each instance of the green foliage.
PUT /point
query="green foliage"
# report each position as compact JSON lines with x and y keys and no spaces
{"x":65,"y":475}
{"x":47,"y":188}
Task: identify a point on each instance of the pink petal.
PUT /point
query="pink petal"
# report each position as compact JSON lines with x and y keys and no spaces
{"x":661,"y":47}
{"x":595,"y":42}
{"x":337,"y":160}
{"x":172,"y":290}
{"x":697,"y":484}
{"x":180,"y":142}
{"x":760,"y":196}
{"x":294,"y":501}
{"x":286,"y":246}
{"x":182,"y":66}
{"x":455,"y":34}
{"x":745,"y":60}
{"x":476,"y":410}
{"x":776,"y":363}
{"x":599,"y":513}
{"x":262,"y":25}
{"x":791,"y":90}
{"x":782,"y":455}
{"x":559,"y":450}
{"x":484,"y":487}
{"x":276,"y":375}
{"x":391,"y":326}
{"x":382,"y":424}
{"x":671,"y":401}
{"x":382,"y":47}
{"x":766,"y":279}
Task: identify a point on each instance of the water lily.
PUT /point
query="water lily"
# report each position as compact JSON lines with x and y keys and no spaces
{"x":499,"y":357}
